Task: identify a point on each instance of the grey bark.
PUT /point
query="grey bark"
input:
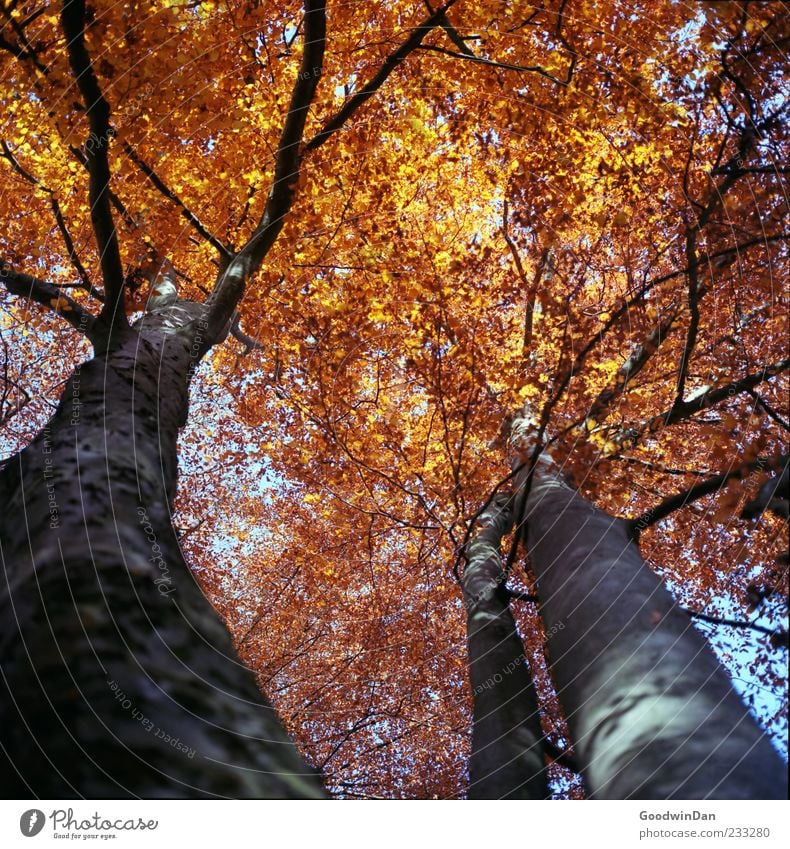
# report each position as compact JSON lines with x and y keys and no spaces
{"x":652,"y":713}
{"x":118,"y":677}
{"x":507,"y":758}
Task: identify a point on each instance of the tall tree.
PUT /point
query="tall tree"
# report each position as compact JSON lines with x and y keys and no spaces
{"x":507,"y":760}
{"x":119,"y":678}
{"x":361,"y":241}
{"x":652,"y":713}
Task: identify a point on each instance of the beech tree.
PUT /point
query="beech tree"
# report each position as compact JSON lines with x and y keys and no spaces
{"x":651,"y":711}
{"x":365,"y":242}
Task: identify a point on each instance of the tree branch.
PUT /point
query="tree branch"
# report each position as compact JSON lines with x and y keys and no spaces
{"x":760,"y":402}
{"x":622,"y":310}
{"x":14,"y":50}
{"x":563,"y":757}
{"x":224,"y":251}
{"x":757,"y":169}
{"x":693,"y":300}
{"x":530,"y":290}
{"x":774,"y":494}
{"x":631,"y":367}
{"x":13,"y":396}
{"x":25,"y":52}
{"x":229,"y":288}
{"x":736,"y":623}
{"x":695,"y":294}
{"x":681,"y":411}
{"x":374,"y":84}
{"x":50,"y":296}
{"x":663,"y":470}
{"x":697,"y":491}
{"x":72,"y":19}
{"x":120,"y":208}
{"x":517,"y":595}
{"x":491,"y":63}
{"x":86,"y":284}
{"x":249,"y":343}
{"x":454,"y":35}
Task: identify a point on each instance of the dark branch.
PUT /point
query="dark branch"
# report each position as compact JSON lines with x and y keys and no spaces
{"x":622,"y":310}
{"x":709,"y":399}
{"x":693,"y":299}
{"x":664,"y":470}
{"x":760,"y":402}
{"x":224,"y":251}
{"x":700,"y":490}
{"x":736,"y":623}
{"x":8,"y":155}
{"x":229,"y":288}
{"x":517,"y":595}
{"x":120,"y":208}
{"x":684,"y":410}
{"x":560,"y":756}
{"x":50,"y":296}
{"x":774,"y":494}
{"x":491,"y":63}
{"x":530,"y":289}
{"x":631,"y":367}
{"x":695,"y":293}
{"x":250,"y":344}
{"x":758,"y":169}
{"x":14,"y":50}
{"x":454,"y":36}
{"x":374,"y":84}
{"x":72,"y":19}
{"x":24,"y":51}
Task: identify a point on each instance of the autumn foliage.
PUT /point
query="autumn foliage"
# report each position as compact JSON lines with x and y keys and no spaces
{"x":580,"y":204}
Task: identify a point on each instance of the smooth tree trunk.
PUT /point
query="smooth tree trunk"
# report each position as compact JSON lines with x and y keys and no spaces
{"x":507,"y":758}
{"x":652,"y":713}
{"x":118,"y":677}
